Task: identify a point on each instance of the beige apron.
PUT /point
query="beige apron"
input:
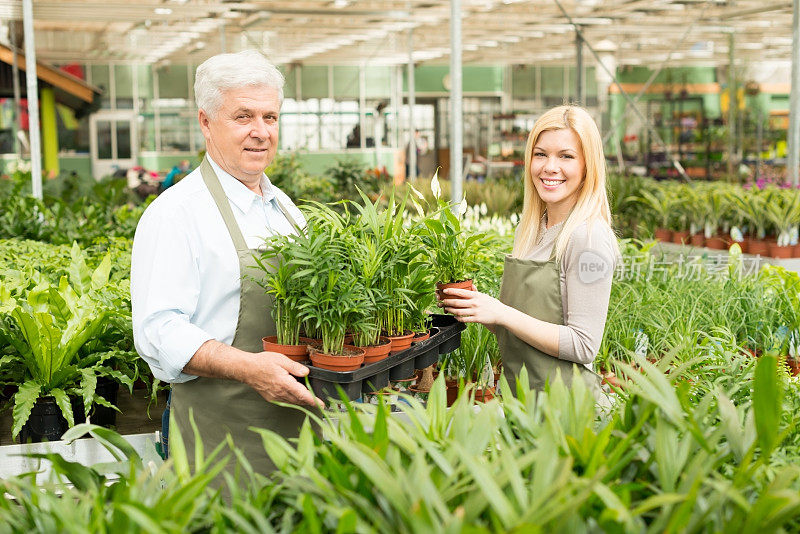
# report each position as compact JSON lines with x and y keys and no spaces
{"x":221,"y":407}
{"x":534,"y":288}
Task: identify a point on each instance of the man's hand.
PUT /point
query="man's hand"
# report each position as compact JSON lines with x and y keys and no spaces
{"x":273,"y":375}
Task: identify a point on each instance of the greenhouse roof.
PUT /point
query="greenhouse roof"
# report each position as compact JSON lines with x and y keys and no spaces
{"x":642,"y":32}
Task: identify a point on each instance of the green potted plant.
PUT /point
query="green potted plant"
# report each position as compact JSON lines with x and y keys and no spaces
{"x":454,"y":253}
{"x":47,"y":326}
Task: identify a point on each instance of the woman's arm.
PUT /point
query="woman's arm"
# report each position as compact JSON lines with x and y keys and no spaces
{"x":477,"y":307}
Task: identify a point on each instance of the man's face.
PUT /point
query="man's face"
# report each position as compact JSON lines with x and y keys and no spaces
{"x":242,"y":137}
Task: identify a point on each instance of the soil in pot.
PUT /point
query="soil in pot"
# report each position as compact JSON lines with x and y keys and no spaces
{"x":401,"y":342}
{"x":663,"y":234}
{"x":298,"y":353}
{"x":107,"y":388}
{"x":462,"y":284}
{"x":680,"y":237}
{"x":349,"y":361}
{"x":46,"y":422}
{"x":421,"y":336}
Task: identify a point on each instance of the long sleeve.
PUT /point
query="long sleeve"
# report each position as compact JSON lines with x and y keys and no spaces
{"x":587,"y":270}
{"x":165,"y":288}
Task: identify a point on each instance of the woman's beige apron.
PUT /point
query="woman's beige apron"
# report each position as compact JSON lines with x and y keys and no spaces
{"x":221,"y":407}
{"x":534,"y":288}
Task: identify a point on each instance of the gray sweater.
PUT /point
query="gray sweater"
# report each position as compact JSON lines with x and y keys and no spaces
{"x":586,"y":272}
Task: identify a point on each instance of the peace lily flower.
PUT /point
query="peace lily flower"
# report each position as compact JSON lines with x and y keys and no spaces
{"x":436,"y":189}
{"x":462,"y":208}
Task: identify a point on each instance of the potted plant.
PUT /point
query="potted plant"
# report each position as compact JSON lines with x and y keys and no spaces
{"x":751,"y":207}
{"x":454,"y":253}
{"x":782,"y":210}
{"x":282,"y":285}
{"x":47,"y":326}
{"x":660,"y":201}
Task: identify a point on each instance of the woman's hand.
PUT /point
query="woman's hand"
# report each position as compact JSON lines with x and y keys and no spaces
{"x":472,"y":306}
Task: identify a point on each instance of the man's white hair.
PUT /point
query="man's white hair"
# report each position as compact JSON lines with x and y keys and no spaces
{"x":222,"y":72}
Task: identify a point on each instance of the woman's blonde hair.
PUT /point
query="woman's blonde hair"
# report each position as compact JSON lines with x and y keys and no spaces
{"x":592,"y":203}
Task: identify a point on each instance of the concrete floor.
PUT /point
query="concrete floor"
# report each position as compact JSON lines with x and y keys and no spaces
{"x":134,"y":418}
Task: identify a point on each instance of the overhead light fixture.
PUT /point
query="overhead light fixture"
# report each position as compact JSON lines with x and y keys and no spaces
{"x":162,"y":11}
{"x":339,"y":4}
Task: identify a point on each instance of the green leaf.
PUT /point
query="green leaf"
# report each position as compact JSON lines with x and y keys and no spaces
{"x":63,"y":401}
{"x":24,"y":399}
{"x":100,"y":275}
{"x":768,"y":391}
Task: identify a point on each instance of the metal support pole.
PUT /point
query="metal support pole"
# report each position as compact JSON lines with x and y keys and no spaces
{"x":222,"y":38}
{"x":456,"y":111}
{"x":33,"y":99}
{"x":731,"y":108}
{"x":578,"y":66}
{"x":759,"y":141}
{"x":794,"y":100}
{"x":412,"y":103}
{"x":17,"y":125}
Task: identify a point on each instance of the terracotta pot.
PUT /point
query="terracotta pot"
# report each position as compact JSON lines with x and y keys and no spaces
{"x":796,"y":252}
{"x":663,"y":234}
{"x":298,"y":353}
{"x":716,"y":243}
{"x":680,"y":237}
{"x":757,"y":247}
{"x":484,"y":394}
{"x":794,"y":366}
{"x":421,"y":336}
{"x":376,"y":353}
{"x":612,"y":380}
{"x":452,"y":391}
{"x":697,"y":240}
{"x":401,"y":342}
{"x":463,"y":284}
{"x":349,"y":361}
{"x":780,"y":251}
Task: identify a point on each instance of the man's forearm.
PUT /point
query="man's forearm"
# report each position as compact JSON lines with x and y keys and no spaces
{"x":217,"y":360}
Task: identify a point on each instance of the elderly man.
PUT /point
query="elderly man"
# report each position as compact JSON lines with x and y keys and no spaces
{"x":198,"y":311}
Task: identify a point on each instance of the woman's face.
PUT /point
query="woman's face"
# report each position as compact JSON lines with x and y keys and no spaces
{"x":557,"y":171}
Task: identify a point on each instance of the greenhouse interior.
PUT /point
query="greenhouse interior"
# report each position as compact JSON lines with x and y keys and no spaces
{"x":400,"y":266}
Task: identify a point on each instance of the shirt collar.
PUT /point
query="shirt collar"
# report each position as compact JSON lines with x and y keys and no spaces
{"x":237,"y":192}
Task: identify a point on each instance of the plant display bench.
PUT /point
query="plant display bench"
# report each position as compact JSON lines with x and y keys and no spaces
{"x":445,"y":337}
{"x":85,"y":451}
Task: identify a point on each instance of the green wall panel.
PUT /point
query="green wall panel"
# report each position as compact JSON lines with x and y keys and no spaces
{"x":345,"y":82}
{"x":314,"y":82}
{"x":476,"y":79}
{"x":378,"y":82}
{"x":173,"y":82}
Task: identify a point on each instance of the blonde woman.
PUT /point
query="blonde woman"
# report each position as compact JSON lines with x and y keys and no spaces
{"x":556,"y":285}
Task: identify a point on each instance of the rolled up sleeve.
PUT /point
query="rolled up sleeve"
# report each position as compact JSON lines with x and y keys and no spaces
{"x":165,"y":287}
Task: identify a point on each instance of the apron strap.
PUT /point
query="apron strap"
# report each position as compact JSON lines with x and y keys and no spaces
{"x":224,"y":206}
{"x":288,"y":216}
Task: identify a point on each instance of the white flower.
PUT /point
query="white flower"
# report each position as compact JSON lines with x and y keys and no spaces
{"x":417,"y":205}
{"x":417,"y":191}
{"x":484,"y":209}
{"x":462,"y":208}
{"x":436,"y":189}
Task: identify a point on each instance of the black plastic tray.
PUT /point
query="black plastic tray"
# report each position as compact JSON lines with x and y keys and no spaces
{"x":446,"y":337}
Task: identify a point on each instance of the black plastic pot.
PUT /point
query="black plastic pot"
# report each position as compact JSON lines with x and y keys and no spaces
{"x":101,"y":415}
{"x":400,"y":365}
{"x":46,"y":422}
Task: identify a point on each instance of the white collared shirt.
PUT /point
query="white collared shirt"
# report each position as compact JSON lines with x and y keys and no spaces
{"x":184,"y":268}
